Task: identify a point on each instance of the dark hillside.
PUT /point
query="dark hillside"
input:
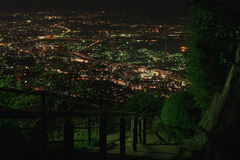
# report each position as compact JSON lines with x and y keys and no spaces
{"x":221,"y":124}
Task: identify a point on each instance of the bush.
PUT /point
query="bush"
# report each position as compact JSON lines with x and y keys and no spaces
{"x":180,"y":114}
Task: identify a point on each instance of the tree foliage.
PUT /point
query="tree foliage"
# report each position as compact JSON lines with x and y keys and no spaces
{"x":213,"y":40}
{"x":180,"y":114}
{"x":5,"y":99}
{"x":147,"y":103}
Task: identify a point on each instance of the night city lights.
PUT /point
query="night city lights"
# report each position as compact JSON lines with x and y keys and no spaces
{"x":93,"y":47}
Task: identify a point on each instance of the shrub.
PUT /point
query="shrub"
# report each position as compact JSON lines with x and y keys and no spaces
{"x":180,"y":114}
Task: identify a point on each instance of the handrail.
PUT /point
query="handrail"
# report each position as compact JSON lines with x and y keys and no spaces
{"x":84,"y":101}
{"x":16,"y":113}
{"x":41,"y":93}
{"x":20,"y":91}
{"x":69,"y":127}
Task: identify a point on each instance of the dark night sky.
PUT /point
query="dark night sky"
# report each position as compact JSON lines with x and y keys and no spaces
{"x":163,"y":8}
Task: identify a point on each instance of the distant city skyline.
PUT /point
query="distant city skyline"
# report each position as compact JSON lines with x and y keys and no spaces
{"x":170,"y":8}
{"x":114,"y":53}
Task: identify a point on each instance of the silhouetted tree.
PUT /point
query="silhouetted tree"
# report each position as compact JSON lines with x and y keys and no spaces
{"x":145,"y":102}
{"x":213,"y":41}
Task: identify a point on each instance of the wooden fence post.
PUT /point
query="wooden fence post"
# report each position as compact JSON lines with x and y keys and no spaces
{"x":103,"y":137}
{"x":134,"y":133}
{"x":43,"y":124}
{"x":43,"y":100}
{"x":122,"y":137}
{"x":140,"y":130}
{"x":69,"y":137}
{"x":89,"y":127}
{"x":143,"y":130}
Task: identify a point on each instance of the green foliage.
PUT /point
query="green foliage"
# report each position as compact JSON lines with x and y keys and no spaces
{"x":50,"y":80}
{"x":83,"y":144}
{"x":81,"y":87}
{"x":10,"y":100}
{"x":185,"y":154}
{"x":141,"y":101}
{"x":5,"y":98}
{"x":6,"y":101}
{"x":180,"y":114}
{"x":9,"y":138}
{"x":26,"y":102}
{"x":16,"y":101}
{"x":4,"y":82}
{"x":99,"y":66}
{"x":213,"y":41}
